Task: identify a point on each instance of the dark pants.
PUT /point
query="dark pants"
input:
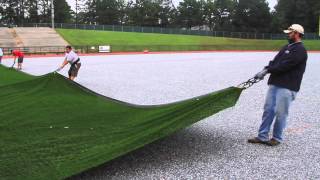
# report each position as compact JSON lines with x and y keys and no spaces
{"x":74,"y":69}
{"x":0,"y":59}
{"x":20,"y":59}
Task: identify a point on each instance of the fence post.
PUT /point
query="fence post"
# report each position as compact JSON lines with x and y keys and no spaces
{"x":102,"y":27}
{"x":141,"y":29}
{"x":112,"y":27}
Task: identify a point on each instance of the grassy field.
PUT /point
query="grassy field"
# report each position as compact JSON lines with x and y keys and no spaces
{"x":127,"y":41}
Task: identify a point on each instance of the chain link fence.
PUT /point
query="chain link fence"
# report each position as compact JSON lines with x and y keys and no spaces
{"x":227,"y":34}
{"x":121,"y":48}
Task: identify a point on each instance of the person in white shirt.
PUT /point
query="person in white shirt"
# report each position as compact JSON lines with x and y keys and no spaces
{"x":1,"y":54}
{"x":73,"y":59}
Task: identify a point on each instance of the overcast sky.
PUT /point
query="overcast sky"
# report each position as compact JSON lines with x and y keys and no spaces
{"x":272,"y":3}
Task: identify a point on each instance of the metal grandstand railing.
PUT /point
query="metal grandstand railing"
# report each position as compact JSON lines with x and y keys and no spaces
{"x":35,"y":49}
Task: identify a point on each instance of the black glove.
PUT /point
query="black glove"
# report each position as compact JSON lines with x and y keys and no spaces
{"x":269,"y":65}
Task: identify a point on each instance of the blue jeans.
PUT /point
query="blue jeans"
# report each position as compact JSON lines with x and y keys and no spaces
{"x":276,"y":107}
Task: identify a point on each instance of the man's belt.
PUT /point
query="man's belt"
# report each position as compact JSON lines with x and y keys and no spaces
{"x":74,"y":63}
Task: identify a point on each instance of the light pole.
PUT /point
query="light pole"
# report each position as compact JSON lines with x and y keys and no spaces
{"x":52,"y":14}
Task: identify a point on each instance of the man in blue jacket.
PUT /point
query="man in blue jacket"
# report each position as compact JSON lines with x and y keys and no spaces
{"x":286,"y":69}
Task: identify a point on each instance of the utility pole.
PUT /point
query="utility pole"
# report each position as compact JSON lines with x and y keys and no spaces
{"x":52,"y":14}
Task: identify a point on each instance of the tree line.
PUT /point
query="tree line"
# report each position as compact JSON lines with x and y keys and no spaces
{"x":219,"y":15}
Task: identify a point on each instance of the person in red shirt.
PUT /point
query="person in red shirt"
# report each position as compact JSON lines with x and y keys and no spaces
{"x":18,"y":54}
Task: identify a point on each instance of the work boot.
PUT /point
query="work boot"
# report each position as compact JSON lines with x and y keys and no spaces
{"x":256,"y":141}
{"x":273,"y":142}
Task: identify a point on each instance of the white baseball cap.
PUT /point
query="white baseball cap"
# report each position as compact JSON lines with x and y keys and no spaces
{"x":294,"y":28}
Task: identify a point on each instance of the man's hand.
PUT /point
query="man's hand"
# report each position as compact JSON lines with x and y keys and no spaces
{"x":260,"y":75}
{"x":65,"y":62}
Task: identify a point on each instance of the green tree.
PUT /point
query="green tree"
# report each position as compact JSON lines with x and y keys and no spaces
{"x":104,"y":12}
{"x":12,"y":11}
{"x":62,"y":11}
{"x":304,"y":12}
{"x":145,"y":13}
{"x":124,"y":8}
{"x":167,"y":13}
{"x":209,"y":14}
{"x":44,"y":11}
{"x":223,"y":13}
{"x":7,"y":11}
{"x":33,"y":11}
{"x":252,"y":15}
{"x":107,"y":11}
{"x":191,"y":13}
{"x":89,"y":14}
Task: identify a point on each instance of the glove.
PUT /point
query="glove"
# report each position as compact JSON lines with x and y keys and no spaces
{"x":270,"y":63}
{"x":260,"y":75}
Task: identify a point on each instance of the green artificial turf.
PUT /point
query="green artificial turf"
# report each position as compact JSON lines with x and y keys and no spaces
{"x":53,"y":128}
{"x":10,"y":76}
{"x":128,"y":41}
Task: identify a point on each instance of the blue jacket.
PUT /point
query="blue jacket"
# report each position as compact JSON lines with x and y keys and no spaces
{"x":288,"y":67}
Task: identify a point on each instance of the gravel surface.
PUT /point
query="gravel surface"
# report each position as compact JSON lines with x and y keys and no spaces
{"x":216,"y":147}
